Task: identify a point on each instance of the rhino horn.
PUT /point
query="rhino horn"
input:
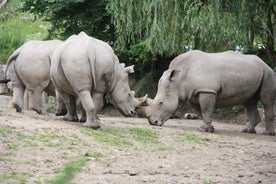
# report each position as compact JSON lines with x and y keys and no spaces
{"x":129,"y":69}
{"x":140,"y":101}
{"x":148,"y":101}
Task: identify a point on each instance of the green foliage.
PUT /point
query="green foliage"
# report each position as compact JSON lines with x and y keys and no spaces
{"x":50,"y":104}
{"x":139,"y":53}
{"x":155,"y":23}
{"x":17,"y":28}
{"x":165,"y":27}
{"x":73,"y":16}
{"x":146,"y":30}
{"x":229,"y":112}
{"x":10,"y":38}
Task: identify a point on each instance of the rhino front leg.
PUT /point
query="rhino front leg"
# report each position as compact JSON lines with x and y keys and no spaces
{"x":89,"y":106}
{"x":207,"y":103}
{"x":252,"y":114}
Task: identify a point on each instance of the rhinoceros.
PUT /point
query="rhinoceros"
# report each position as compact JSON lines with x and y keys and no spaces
{"x":86,"y":68}
{"x":29,"y":68}
{"x":209,"y":80}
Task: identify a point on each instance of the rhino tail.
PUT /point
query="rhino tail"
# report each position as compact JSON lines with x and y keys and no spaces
{"x":92,"y":61}
{"x":11,"y":59}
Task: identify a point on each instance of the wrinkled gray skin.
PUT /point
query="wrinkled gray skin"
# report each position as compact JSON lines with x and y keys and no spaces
{"x":87,"y":68}
{"x":29,"y":68}
{"x":208,"y":80}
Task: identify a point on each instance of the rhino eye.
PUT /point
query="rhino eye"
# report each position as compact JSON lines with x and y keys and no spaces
{"x":160,"y":103}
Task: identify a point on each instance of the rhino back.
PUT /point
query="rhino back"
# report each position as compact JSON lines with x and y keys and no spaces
{"x":234,"y":77}
{"x":85,"y":61}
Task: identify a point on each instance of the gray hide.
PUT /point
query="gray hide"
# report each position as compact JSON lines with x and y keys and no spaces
{"x":209,"y":80}
{"x":87,"y":68}
{"x":29,"y":68}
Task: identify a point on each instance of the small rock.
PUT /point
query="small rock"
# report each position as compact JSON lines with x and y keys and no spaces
{"x":132,"y":173}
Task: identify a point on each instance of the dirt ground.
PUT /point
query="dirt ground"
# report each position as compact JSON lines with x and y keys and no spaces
{"x":36,"y":149}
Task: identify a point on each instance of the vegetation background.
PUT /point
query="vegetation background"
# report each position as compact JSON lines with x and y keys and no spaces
{"x":147,"y":33}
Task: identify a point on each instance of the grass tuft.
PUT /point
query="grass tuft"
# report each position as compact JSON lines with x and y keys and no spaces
{"x":144,"y":135}
{"x":69,"y":171}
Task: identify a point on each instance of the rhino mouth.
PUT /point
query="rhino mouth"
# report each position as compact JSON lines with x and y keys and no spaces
{"x":131,"y":113}
{"x":156,"y":122}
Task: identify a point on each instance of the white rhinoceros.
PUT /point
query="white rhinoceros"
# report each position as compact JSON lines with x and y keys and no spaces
{"x":87,"y":68}
{"x":208,"y":80}
{"x":29,"y":68}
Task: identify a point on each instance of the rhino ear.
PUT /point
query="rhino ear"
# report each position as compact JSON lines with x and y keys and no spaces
{"x":123,"y":65}
{"x":174,"y":74}
{"x":129,"y":69}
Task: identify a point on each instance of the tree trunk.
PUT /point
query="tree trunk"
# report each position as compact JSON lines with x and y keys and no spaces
{"x":271,"y":54}
{"x":2,"y":3}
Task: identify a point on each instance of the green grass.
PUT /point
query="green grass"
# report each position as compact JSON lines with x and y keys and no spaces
{"x":12,"y":146}
{"x":144,"y":135}
{"x":188,"y":137}
{"x":69,"y":171}
{"x":5,"y":131}
{"x":95,"y":155}
{"x":126,"y":137}
{"x":163,"y":148}
{"x":207,"y":182}
{"x":20,"y":177}
{"x":109,"y":137}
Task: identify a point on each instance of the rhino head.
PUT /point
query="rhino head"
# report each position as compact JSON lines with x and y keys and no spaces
{"x":164,"y":104}
{"x":121,"y":95}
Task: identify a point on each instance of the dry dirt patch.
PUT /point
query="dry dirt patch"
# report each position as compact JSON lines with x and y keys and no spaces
{"x":40,"y":149}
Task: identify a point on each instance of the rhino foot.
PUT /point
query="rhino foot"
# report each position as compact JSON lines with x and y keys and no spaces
{"x":83,"y":118}
{"x":249,"y":130}
{"x":61,"y":113}
{"x":17,"y":108}
{"x":207,"y":128}
{"x":268,"y":132}
{"x":39,"y":111}
{"x":73,"y":118}
{"x":94,"y":126}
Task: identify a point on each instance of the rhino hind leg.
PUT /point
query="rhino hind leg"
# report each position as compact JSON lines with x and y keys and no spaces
{"x":17,"y":107}
{"x":70,"y":103}
{"x":18,"y":96}
{"x":269,"y":118}
{"x":60,"y":105}
{"x":36,"y":101}
{"x":252,"y":114}
{"x":83,"y":113}
{"x":89,"y":106}
{"x":207,"y":103}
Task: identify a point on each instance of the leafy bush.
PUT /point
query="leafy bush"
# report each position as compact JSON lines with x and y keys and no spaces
{"x":17,"y":28}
